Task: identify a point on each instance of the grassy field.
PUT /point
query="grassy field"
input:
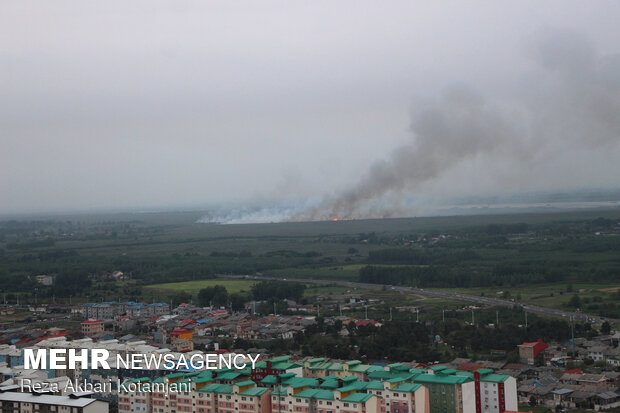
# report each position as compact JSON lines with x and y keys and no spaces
{"x":545,"y":295}
{"x":232,"y":286}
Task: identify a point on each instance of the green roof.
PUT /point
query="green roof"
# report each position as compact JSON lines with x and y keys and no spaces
{"x":357,"y":397}
{"x":316,"y":394}
{"x":297,"y":382}
{"x":446,"y":372}
{"x":353,"y":363}
{"x":396,"y":380}
{"x":279,"y":391}
{"x":438,"y":379}
{"x":374,"y":385}
{"x":199,"y":379}
{"x":360,"y":368}
{"x":316,"y":360}
{"x":335,"y":367}
{"x":254,"y":391}
{"x":495,"y":378}
{"x":175,"y":375}
{"x":355,"y":386}
{"x":231,"y":375}
{"x":216,"y":388}
{"x":142,"y":379}
{"x":329,"y":384}
{"x":270,"y":379}
{"x":387,"y":375}
{"x":407,"y":387}
{"x":245,"y":383}
{"x":438,"y":368}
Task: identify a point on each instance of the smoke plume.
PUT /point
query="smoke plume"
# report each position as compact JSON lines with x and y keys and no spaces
{"x":572,"y":100}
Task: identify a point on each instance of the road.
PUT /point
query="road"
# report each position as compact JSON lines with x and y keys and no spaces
{"x":487,"y":301}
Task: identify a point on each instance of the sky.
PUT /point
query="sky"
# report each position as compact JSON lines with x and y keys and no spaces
{"x":355,"y":107}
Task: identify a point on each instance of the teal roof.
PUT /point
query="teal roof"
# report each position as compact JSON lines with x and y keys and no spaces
{"x":374,"y":385}
{"x":358,"y":385}
{"x":316,"y":394}
{"x":439,"y":379}
{"x":245,"y":383}
{"x":216,"y":388}
{"x":495,"y":378}
{"x":407,"y":387}
{"x":447,"y":371}
{"x":360,"y":368}
{"x":387,"y":375}
{"x":231,"y":375}
{"x":254,"y":391}
{"x":329,"y":384}
{"x":357,"y":397}
{"x":438,"y":368}
{"x":298,"y":382}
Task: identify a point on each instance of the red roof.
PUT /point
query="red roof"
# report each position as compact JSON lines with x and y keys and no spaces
{"x":538,"y":346}
{"x":188,"y":321}
{"x":469,"y":367}
{"x":573,"y":371}
{"x":366,"y":322}
{"x":179,"y":331}
{"x":92,"y":321}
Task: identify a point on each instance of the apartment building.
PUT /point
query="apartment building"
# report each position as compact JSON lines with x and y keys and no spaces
{"x":16,"y":402}
{"x":92,"y":326}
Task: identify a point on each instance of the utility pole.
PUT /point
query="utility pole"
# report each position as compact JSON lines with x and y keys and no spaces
{"x":417,"y":315}
{"x":340,"y":309}
{"x":274,"y":309}
{"x":496,"y":319}
{"x":390,"y":313}
{"x":366,"y":309}
{"x":526,"y":320}
{"x":472,"y":317}
{"x":572,"y":333}
{"x":443,"y":315}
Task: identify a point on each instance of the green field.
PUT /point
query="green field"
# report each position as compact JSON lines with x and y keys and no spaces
{"x":192,"y":287}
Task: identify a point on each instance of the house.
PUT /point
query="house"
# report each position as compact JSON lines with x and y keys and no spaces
{"x":529,"y":351}
{"x":92,"y":326}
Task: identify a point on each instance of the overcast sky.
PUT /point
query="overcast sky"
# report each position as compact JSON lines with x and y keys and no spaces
{"x":149,"y":104}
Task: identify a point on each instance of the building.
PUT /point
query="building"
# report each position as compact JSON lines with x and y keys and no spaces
{"x":112,"y":309}
{"x":44,"y":279}
{"x":495,"y":393}
{"x":448,"y":392}
{"x":11,"y":401}
{"x":92,"y":326}
{"x":529,"y":351}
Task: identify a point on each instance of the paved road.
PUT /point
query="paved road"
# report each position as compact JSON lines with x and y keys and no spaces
{"x":544,"y":311}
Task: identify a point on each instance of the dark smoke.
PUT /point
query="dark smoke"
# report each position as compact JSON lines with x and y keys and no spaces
{"x":574,"y":102}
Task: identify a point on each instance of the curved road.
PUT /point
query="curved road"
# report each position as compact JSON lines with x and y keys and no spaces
{"x":544,"y":311}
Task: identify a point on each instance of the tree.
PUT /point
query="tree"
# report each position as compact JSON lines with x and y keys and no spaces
{"x":606,"y":328}
{"x":216,"y":295}
{"x":574,"y":302}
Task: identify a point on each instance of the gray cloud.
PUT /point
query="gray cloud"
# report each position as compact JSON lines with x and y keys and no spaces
{"x":155,"y":104}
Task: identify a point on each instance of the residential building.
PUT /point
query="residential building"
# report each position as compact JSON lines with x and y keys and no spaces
{"x":92,"y":326}
{"x":16,"y":402}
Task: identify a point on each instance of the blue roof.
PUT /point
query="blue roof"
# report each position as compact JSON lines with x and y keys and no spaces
{"x":204,"y":320}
